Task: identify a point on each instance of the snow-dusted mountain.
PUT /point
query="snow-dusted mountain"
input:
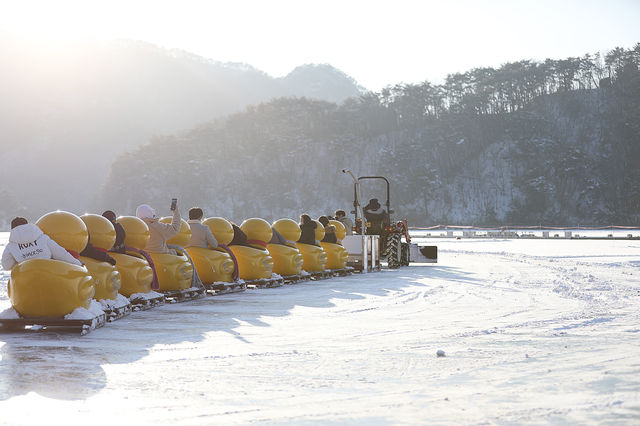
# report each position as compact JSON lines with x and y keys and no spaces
{"x":321,"y":82}
{"x":67,"y":112}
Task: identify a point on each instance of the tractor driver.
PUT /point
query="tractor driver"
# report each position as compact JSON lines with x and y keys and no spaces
{"x":376,"y":215}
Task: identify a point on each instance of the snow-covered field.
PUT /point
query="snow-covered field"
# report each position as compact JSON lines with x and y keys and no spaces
{"x":534,"y":331}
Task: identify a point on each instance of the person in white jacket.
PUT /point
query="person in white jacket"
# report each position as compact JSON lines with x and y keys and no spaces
{"x":27,"y":241}
{"x":159,"y":232}
{"x":201,"y":235}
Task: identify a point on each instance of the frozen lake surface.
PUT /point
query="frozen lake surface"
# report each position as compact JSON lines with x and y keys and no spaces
{"x":534,"y":331}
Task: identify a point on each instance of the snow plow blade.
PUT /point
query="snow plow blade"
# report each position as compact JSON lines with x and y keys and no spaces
{"x":424,"y":254}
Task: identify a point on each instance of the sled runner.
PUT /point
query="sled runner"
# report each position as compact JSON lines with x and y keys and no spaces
{"x":274,"y":281}
{"x":81,"y":326}
{"x":142,"y":302}
{"x":221,"y":287}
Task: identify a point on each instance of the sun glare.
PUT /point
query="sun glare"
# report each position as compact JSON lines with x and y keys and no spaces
{"x":375,"y":41}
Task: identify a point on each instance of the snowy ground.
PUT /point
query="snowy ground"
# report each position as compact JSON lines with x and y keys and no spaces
{"x":534,"y":331}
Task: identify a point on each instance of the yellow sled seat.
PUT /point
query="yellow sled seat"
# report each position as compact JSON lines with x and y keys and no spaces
{"x":52,"y":288}
{"x":106,"y":277}
{"x":336,"y":255}
{"x":212,"y":265}
{"x":174,"y":271}
{"x":315,"y":258}
{"x":287,"y":260}
{"x":254,"y":263}
{"x":49,"y":288}
{"x":135,"y":273}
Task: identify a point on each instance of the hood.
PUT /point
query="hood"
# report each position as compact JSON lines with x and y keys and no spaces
{"x":25,"y":233}
{"x":144,"y":211}
{"x":377,"y":210}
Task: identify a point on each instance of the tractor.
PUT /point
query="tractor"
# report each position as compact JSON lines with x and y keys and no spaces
{"x":391,"y":232}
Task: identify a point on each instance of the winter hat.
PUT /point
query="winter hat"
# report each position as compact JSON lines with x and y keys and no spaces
{"x":374,"y":204}
{"x":144,"y":211}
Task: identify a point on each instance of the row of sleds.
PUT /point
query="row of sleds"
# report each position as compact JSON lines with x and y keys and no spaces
{"x":53,"y":295}
{"x":113,"y":311}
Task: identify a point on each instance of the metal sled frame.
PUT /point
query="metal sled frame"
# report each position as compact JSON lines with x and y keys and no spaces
{"x":177,"y":296}
{"x":219,"y":288}
{"x":265,"y":283}
{"x":297,"y":278}
{"x":143,"y":304}
{"x":342,"y":272}
{"x":117,"y":313}
{"x":82,"y":326}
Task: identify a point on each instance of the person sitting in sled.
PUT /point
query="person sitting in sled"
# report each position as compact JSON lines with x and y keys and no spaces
{"x":95,"y":253}
{"x":118,"y":246}
{"x":159,"y":232}
{"x":341,"y":216}
{"x":27,"y":241}
{"x":201,"y":235}
{"x":329,"y":231}
{"x":376,"y":215}
{"x":278,"y":238}
{"x":239,"y":237}
{"x":308,"y":228}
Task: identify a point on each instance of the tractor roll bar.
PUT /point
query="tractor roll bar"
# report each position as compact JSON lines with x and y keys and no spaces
{"x":388,"y":203}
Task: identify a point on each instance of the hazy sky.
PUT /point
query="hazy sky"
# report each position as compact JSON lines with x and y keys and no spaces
{"x":376,"y":42}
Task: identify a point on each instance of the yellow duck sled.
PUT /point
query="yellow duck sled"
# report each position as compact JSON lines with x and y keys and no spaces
{"x":255,"y":264}
{"x":177,"y":277}
{"x":106,"y":278}
{"x":136,"y":274}
{"x":336,"y":253}
{"x":217,"y":267}
{"x":315,"y":258}
{"x":287,"y":259}
{"x":52,"y":294}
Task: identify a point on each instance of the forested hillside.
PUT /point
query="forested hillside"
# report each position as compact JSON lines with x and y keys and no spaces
{"x":553,"y":142}
{"x":67,"y":111}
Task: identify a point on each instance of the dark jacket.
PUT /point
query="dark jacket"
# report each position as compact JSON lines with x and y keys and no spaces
{"x":308,"y":235}
{"x":374,"y":212}
{"x":118,"y":246}
{"x":97,"y":254}
{"x":330,"y":235}
{"x":377,"y":217}
{"x":277,"y":238}
{"x":239,"y":237}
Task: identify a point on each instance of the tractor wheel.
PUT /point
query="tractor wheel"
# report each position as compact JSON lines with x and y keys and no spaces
{"x":392,"y":250}
{"x":404,"y":257}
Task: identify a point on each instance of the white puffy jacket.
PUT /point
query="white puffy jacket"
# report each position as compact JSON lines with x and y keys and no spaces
{"x":29,"y":242}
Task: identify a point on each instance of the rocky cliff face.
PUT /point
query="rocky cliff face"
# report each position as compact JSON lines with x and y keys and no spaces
{"x":568,"y":158}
